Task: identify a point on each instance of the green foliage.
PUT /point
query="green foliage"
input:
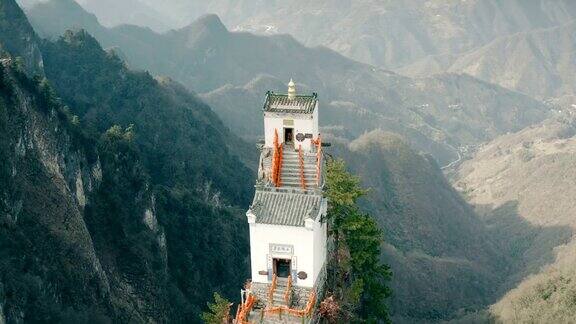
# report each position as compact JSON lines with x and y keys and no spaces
{"x":219,"y":310}
{"x":359,"y":275}
{"x":159,"y":147}
{"x":117,"y":133}
{"x":145,"y":154}
{"x":18,"y":38}
{"x":343,"y":188}
{"x":180,"y":139}
{"x":39,"y":277}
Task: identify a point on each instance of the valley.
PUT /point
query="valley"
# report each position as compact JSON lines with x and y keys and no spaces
{"x":527,"y":175}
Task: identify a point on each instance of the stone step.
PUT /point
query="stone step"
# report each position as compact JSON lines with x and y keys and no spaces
{"x":309,"y":184}
{"x":307,"y":175}
{"x":295,"y":177}
{"x":278,"y":295}
{"x":298,"y":186}
{"x":289,"y":166}
{"x":297,"y":168}
{"x":295,"y":152}
{"x":296,"y":174}
{"x":297,"y":158}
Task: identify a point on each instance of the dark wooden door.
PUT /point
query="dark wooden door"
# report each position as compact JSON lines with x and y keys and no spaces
{"x":282,"y":267}
{"x":288,"y":135}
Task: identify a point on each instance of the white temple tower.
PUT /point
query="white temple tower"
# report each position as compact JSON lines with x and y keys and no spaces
{"x":288,"y":234}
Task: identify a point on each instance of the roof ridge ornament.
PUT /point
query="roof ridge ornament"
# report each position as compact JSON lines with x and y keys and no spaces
{"x":291,"y":90}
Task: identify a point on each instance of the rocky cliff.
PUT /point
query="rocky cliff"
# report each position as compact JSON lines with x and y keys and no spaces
{"x":119,"y":193}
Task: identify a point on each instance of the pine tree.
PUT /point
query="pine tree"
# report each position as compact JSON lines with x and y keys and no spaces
{"x":219,"y":311}
{"x":359,"y":278}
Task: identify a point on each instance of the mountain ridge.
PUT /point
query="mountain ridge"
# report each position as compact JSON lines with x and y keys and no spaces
{"x":544,"y":54}
{"x":386,"y":34}
{"x":424,"y":107}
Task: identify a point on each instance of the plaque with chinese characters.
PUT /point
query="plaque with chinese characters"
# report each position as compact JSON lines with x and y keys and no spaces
{"x":281,"y":249}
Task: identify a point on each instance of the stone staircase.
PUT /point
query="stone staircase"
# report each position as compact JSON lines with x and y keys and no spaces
{"x":278,"y":296}
{"x":290,"y":172}
{"x":277,"y":300}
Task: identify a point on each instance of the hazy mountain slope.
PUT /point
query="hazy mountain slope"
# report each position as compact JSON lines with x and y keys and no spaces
{"x":531,"y":167}
{"x":445,"y":260}
{"x":389,"y":34}
{"x":436,"y":114}
{"x":539,"y":63}
{"x":74,"y":16}
{"x":112,"y":13}
{"x":530,"y":174}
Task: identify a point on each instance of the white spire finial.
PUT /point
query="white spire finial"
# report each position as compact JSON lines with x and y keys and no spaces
{"x":291,"y":90}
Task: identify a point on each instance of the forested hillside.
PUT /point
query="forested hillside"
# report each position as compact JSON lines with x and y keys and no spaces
{"x":18,"y":37}
{"x":120,"y":194}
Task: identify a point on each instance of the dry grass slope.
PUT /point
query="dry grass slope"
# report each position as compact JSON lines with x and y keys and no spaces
{"x":534,"y":171}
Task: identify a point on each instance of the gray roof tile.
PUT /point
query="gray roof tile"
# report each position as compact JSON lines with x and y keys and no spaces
{"x":283,"y":208}
{"x":302,"y":104}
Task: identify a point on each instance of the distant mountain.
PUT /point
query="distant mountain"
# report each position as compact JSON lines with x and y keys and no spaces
{"x":113,"y":13}
{"x":529,"y":167}
{"x":437,"y":114}
{"x":120,"y":193}
{"x":388,"y":34}
{"x":529,"y":175}
{"x":539,"y":63}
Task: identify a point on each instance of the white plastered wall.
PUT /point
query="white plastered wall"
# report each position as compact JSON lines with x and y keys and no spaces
{"x":309,"y":249}
{"x":302,"y":123}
